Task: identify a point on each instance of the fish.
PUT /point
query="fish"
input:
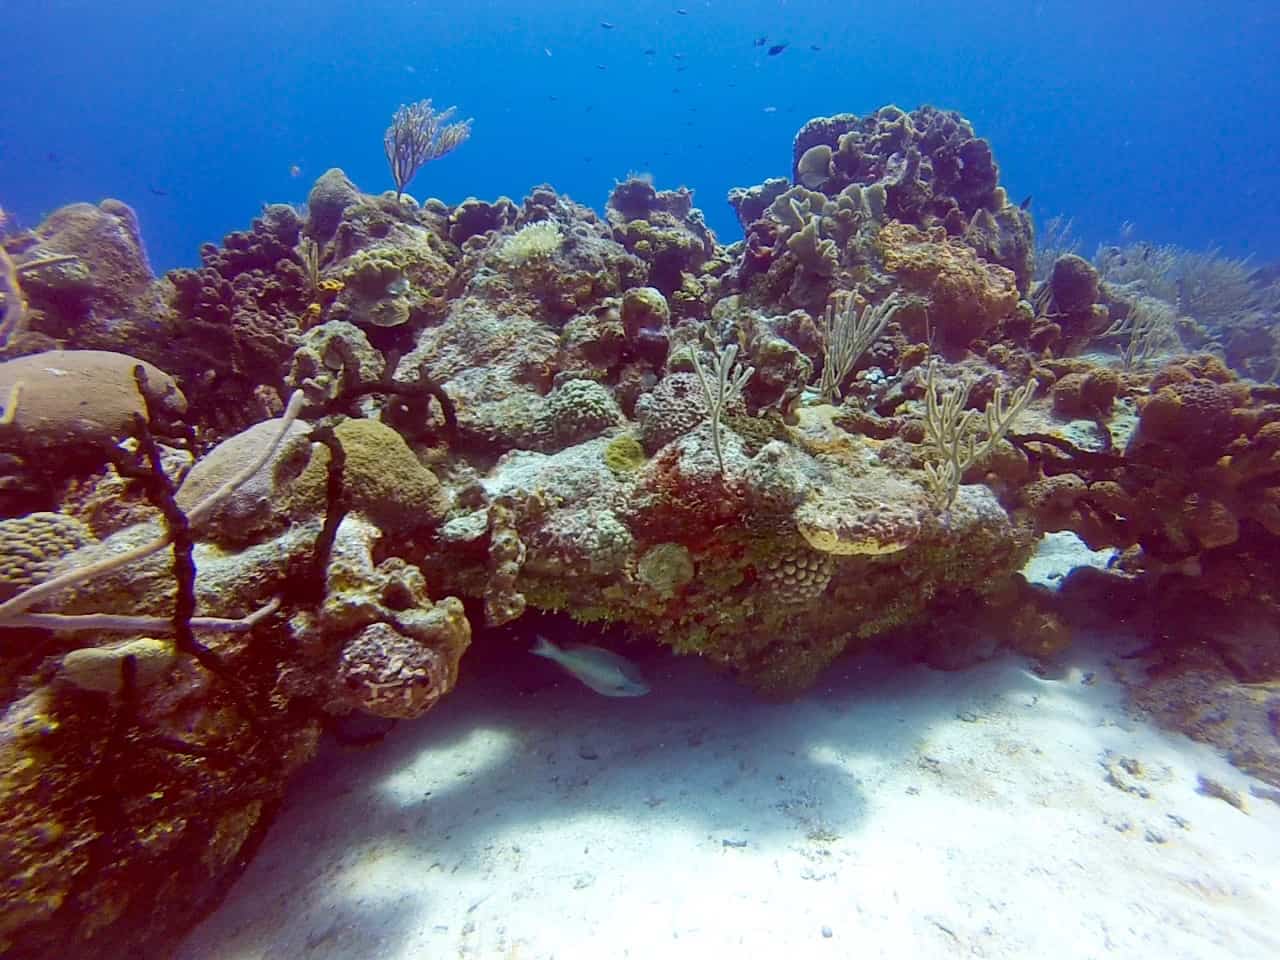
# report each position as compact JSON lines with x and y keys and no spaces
{"x":776,"y":49}
{"x":651,"y":52}
{"x":295,"y":170}
{"x":815,"y":48}
{"x":606,"y":25}
{"x":607,"y":673}
{"x":761,"y":40}
{"x":681,"y":12}
{"x":1025,"y":204}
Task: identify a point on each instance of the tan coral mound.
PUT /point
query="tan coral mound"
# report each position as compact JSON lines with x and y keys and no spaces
{"x":967,"y":296}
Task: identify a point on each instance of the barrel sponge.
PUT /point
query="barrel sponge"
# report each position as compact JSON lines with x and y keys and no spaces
{"x":31,"y":546}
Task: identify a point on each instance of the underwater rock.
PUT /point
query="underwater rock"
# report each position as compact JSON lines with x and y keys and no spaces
{"x":585,"y":477}
{"x":750,"y":203}
{"x":926,"y":168}
{"x":1202,"y":699}
{"x":662,"y":228}
{"x":495,"y":368}
{"x":592,"y":344}
{"x":328,"y":200}
{"x":782,"y":371}
{"x":387,"y":284}
{"x":473,"y":218}
{"x":645,"y":309}
{"x":871,"y":523}
{"x":931,"y":161}
{"x":102,"y":298}
{"x":1004,"y":236}
{"x":331,"y":358}
{"x":665,"y":568}
{"x":503,"y":602}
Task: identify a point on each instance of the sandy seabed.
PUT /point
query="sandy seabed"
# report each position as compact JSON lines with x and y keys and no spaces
{"x":894,"y":812}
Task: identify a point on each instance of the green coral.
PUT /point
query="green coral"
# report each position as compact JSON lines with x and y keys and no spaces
{"x":624,"y":454}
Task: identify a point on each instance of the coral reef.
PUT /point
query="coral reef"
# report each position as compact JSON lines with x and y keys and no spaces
{"x":359,"y":434}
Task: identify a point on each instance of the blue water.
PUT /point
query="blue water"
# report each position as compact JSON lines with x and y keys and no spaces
{"x":1165,"y":114}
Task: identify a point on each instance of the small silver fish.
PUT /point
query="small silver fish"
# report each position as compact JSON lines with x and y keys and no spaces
{"x":602,"y":670}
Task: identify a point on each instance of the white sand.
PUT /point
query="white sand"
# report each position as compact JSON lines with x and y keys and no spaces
{"x":896,"y":812}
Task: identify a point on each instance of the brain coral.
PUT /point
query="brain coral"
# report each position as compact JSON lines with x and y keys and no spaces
{"x":383,"y":478}
{"x":79,"y":398}
{"x":578,"y":410}
{"x":31,"y":546}
{"x":673,"y":408}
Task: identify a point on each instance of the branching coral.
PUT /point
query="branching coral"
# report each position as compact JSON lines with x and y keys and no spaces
{"x":721,"y":390}
{"x":419,"y":134}
{"x":952,"y":432}
{"x":847,"y":333}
